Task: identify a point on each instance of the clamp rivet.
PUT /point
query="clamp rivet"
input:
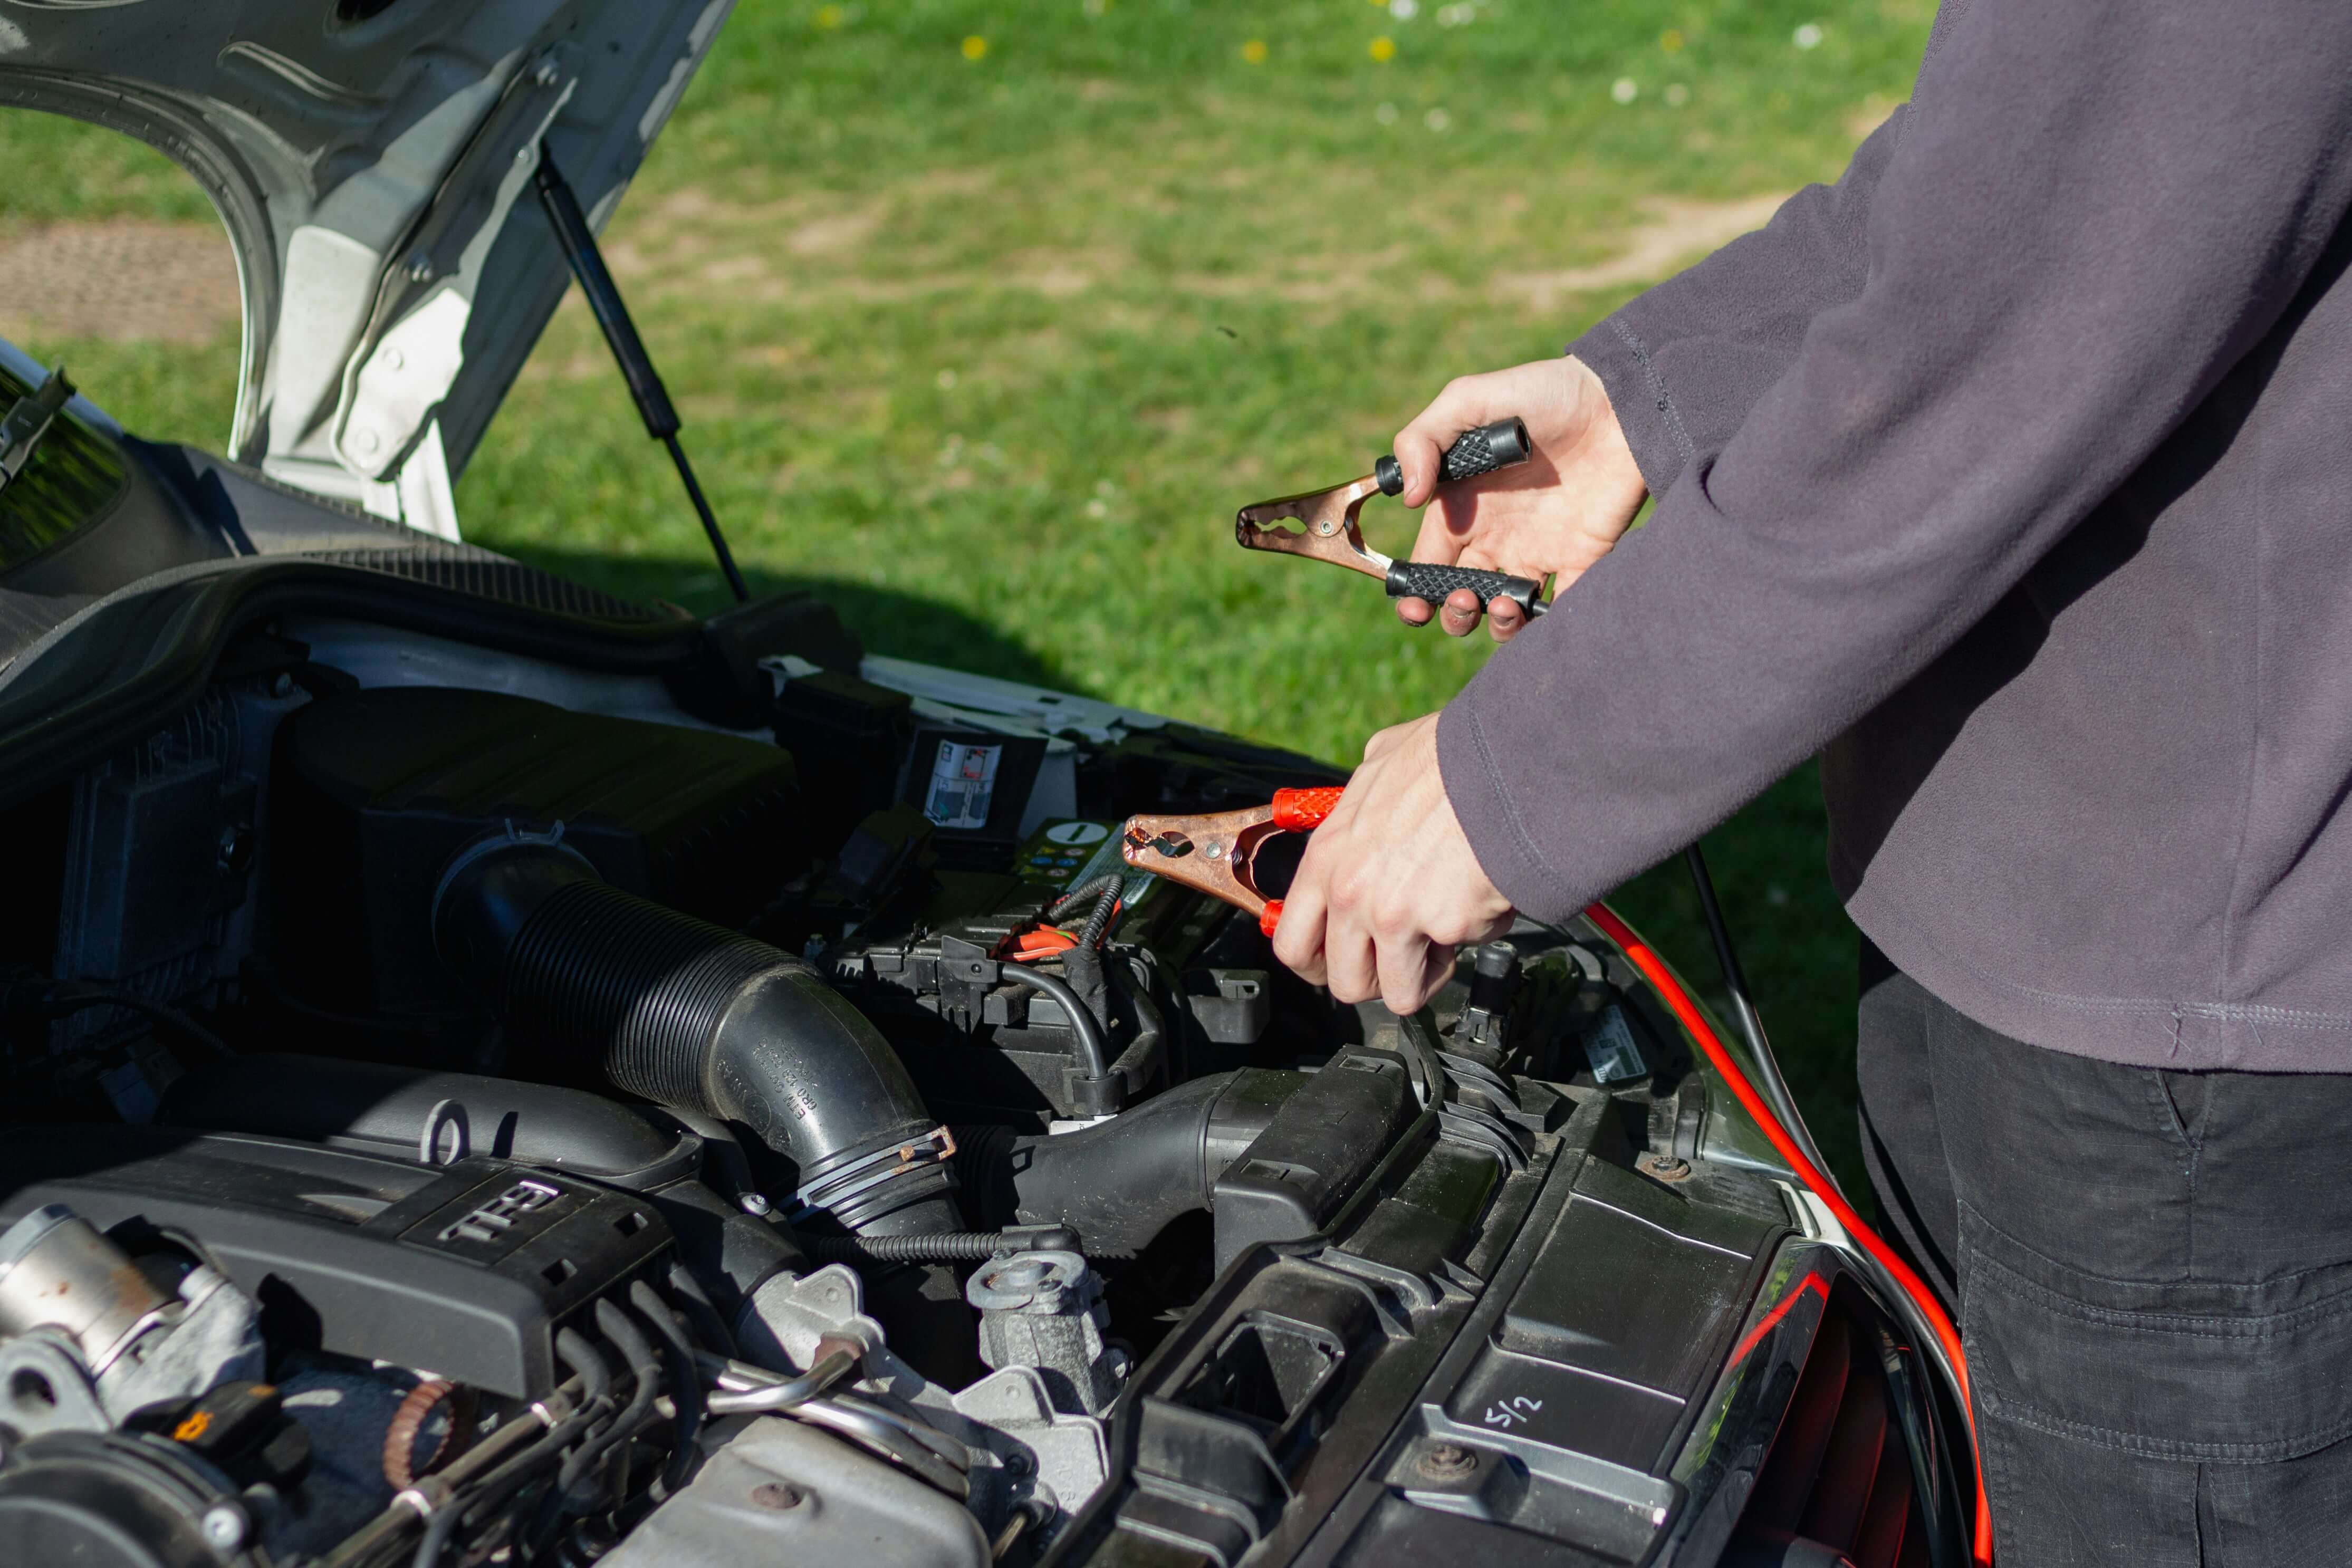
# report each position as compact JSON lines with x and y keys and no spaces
{"x":223,"y":1526}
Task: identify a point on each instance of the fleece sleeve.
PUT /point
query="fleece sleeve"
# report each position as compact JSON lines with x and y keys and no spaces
{"x":1686,"y":360}
{"x":2088,"y":216}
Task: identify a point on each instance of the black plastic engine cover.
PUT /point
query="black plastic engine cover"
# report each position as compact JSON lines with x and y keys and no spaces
{"x":466,"y":1269}
{"x":371,"y":793}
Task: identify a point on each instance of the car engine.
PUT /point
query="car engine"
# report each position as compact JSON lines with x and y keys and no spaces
{"x":470,"y":1109}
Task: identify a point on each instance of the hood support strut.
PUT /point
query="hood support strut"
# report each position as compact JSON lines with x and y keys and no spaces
{"x":578,"y":242}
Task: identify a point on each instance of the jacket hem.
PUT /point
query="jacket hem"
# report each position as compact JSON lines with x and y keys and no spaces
{"x":2179,"y":1034}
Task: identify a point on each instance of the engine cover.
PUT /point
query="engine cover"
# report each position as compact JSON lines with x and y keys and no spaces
{"x":467,"y":1269}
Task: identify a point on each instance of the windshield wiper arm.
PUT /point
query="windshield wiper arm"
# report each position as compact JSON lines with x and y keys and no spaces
{"x":21,"y":431}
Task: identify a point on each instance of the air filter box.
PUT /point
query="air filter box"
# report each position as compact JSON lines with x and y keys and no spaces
{"x":371,"y":793}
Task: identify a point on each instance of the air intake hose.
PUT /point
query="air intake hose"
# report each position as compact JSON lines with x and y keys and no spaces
{"x":693,"y":1015}
{"x":1120,"y":1181}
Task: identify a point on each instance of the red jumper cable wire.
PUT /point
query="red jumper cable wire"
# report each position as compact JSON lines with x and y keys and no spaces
{"x":1215,"y":853}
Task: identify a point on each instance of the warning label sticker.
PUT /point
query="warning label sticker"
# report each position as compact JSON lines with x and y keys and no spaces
{"x":963,"y":778}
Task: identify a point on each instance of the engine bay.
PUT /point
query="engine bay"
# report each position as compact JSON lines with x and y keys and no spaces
{"x":482,"y":1111}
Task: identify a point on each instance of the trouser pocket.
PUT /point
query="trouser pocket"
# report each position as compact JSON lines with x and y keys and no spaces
{"x":2237,"y":1373}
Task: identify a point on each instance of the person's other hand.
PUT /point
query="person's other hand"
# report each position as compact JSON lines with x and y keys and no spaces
{"x":1389,"y":886}
{"x":1554,"y":515}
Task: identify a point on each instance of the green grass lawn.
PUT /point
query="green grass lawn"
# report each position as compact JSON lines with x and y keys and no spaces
{"x":985,"y":317}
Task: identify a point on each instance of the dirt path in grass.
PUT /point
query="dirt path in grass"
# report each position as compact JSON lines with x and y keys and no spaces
{"x":123,"y":279}
{"x":134,"y":279}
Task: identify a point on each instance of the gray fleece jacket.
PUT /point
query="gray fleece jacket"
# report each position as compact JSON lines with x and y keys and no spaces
{"x":2013,"y":474}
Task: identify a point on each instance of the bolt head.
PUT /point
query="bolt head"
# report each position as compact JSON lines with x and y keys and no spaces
{"x":547,"y":75}
{"x":223,"y":1526}
{"x":420,"y":267}
{"x":235,"y":848}
{"x":1446,"y":1461}
{"x":1665,"y":1167}
{"x":777,"y":1495}
{"x":755,"y":1204}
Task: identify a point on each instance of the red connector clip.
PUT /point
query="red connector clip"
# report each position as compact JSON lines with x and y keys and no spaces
{"x":1213,"y":853}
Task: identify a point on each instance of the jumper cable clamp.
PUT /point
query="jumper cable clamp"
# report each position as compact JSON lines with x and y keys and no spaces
{"x":1217,"y":853}
{"x":1327,"y":529}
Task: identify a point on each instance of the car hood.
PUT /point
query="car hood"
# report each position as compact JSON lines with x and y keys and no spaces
{"x":372,"y":160}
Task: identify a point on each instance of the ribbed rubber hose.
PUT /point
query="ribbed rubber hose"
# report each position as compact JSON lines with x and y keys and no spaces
{"x":692,"y":1015}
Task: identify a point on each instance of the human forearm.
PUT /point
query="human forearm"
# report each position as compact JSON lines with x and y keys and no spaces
{"x":2019,"y":347}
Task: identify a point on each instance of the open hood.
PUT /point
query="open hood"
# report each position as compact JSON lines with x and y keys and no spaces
{"x":373,"y":162}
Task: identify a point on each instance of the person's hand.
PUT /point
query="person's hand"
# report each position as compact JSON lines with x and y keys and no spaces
{"x":1389,"y":886}
{"x":1555,"y":514}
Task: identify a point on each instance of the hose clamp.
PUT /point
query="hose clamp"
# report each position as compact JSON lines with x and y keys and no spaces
{"x":836,"y":1189}
{"x":498,"y":840}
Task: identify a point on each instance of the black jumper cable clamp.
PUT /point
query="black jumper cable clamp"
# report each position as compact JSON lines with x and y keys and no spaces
{"x":1327,"y":528}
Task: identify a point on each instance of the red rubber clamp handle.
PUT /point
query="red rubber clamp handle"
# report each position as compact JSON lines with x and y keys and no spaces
{"x":1296,"y":810}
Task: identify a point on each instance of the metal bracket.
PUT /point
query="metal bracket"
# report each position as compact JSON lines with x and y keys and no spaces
{"x":28,"y":421}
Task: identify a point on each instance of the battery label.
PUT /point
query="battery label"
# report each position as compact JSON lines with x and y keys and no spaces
{"x":1610,"y":1049}
{"x":963,"y":778}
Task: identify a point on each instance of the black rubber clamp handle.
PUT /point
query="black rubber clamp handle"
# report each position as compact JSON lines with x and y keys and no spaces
{"x":1433,"y":581}
{"x":1501,"y":444}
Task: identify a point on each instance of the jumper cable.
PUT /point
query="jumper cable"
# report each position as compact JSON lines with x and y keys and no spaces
{"x":1217,"y":853}
{"x":1328,"y":528}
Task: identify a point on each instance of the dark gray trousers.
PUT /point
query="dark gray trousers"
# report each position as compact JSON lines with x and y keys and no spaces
{"x":2154,"y":1278}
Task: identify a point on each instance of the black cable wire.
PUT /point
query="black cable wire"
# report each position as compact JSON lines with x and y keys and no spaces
{"x":701,"y":1314}
{"x":645,"y":1370}
{"x":55,"y":999}
{"x":685,"y":1382}
{"x":595,"y":1374}
{"x":599,"y":1437}
{"x":1097,"y":925}
{"x":1094,"y":1061}
{"x":1090,"y":888}
{"x":1105,"y":891}
{"x":1774,"y":1086}
{"x":492,"y":1487}
{"x":435,"y":1539}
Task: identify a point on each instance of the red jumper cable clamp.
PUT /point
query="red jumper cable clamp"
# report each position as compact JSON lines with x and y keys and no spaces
{"x":1214,"y":853}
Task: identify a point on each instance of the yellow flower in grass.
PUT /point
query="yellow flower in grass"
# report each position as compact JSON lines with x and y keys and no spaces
{"x":1255,"y":51}
{"x":827,"y":18}
{"x":1383,"y":48}
{"x":974,"y":46}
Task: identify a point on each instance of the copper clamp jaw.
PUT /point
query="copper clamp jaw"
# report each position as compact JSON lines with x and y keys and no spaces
{"x":1217,"y":853}
{"x":1327,"y":529}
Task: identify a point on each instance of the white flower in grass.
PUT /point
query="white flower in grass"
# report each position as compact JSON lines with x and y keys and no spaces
{"x":1624,"y":89}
